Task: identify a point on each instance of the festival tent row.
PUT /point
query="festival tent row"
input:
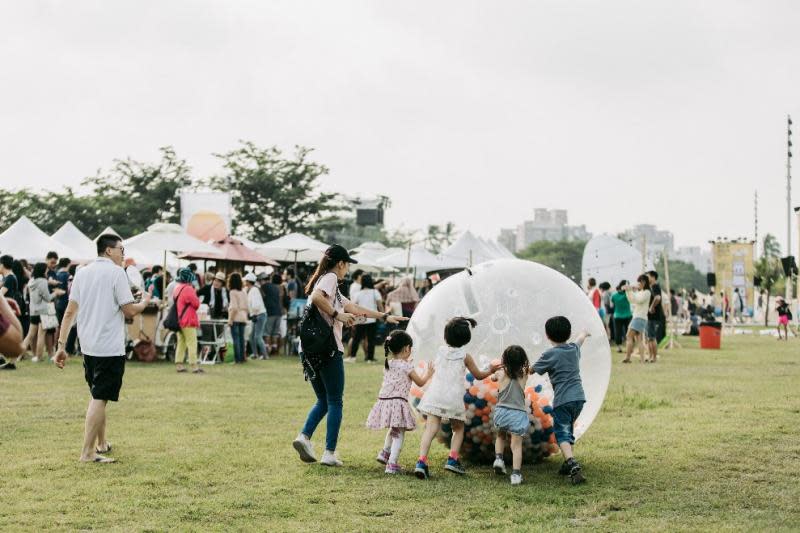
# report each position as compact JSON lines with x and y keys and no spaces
{"x":71,"y":236}
{"x":24,"y":240}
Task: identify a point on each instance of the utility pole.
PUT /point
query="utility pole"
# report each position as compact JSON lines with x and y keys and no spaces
{"x":755,"y":223}
{"x":789,"y":203}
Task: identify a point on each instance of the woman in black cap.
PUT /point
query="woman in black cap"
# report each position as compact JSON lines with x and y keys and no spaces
{"x":327,"y":374}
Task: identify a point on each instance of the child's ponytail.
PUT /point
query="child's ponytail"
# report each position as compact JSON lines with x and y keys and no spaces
{"x":394,"y":343}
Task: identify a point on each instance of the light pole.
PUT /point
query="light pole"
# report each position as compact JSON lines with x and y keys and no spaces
{"x":789,"y":203}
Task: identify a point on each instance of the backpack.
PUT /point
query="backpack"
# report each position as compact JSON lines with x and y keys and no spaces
{"x":172,"y":322}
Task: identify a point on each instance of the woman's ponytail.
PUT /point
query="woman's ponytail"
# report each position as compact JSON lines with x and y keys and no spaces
{"x":325,"y":264}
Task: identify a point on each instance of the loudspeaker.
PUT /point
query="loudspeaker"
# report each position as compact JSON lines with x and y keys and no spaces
{"x":789,"y":266}
{"x":711,"y":279}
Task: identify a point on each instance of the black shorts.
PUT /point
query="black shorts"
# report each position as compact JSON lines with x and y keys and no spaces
{"x":104,"y":376}
{"x":35,"y":320}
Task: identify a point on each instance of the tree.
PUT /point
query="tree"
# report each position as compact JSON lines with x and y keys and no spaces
{"x":129,"y":197}
{"x":683,"y":275}
{"x":771,"y":248}
{"x":564,"y":256}
{"x":273,"y":195}
{"x":770,"y":270}
{"x":440,"y":237}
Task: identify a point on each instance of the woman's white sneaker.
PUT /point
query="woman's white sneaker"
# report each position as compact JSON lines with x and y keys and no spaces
{"x":516,"y":479}
{"x":329,"y":459}
{"x":305,"y":448}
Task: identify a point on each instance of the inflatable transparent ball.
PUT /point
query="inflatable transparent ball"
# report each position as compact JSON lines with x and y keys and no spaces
{"x":511,"y":300}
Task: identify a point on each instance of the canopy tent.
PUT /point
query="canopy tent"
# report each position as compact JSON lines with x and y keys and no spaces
{"x":293,"y":248}
{"x":108,"y":229}
{"x":24,"y":240}
{"x":369,"y":247}
{"x":606,"y":258}
{"x":368,"y":257}
{"x":164,"y":240}
{"x":416,"y":257}
{"x":469,"y":250}
{"x":71,"y":236}
{"x":231,"y":251}
{"x":247,"y":242}
{"x":501,"y":250}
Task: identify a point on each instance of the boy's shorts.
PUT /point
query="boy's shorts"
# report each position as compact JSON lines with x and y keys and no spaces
{"x":564,"y":417}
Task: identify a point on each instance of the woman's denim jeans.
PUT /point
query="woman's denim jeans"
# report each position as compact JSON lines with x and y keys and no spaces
{"x":328,"y":385}
{"x":257,"y":335}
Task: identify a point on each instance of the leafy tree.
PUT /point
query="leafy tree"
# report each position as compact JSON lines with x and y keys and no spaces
{"x":770,"y":248}
{"x":770,"y":270}
{"x":564,"y":256}
{"x":440,"y":237}
{"x":128,"y":197}
{"x":683,"y":275}
{"x":273,"y":195}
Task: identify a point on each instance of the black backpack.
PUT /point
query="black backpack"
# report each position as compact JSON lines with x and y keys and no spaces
{"x":316,"y":340}
{"x":172,"y":322}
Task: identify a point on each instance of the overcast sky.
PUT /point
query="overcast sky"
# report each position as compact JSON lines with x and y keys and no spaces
{"x":671,"y":113}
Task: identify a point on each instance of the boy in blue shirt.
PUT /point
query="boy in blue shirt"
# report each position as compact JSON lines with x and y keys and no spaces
{"x":561,"y":362}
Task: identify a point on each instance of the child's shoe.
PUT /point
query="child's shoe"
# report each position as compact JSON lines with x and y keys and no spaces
{"x":383,"y":457}
{"x":454,"y":465}
{"x":565,"y":468}
{"x":421,"y":470}
{"x":499,"y":467}
{"x":516,"y":479}
{"x":393,"y":468}
{"x":575,"y":473}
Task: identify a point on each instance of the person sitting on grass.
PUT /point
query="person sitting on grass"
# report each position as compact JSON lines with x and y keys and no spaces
{"x":561,"y":363}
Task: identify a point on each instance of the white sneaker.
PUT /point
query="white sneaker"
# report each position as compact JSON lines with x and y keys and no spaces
{"x":516,"y":479}
{"x":349,"y":359}
{"x":499,"y":467}
{"x":329,"y":459}
{"x":34,"y":360}
{"x":305,"y":448}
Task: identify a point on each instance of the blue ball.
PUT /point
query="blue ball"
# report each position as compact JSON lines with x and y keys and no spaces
{"x":470,"y":377}
{"x":469,"y":398}
{"x":548,"y":409}
{"x":538,"y":388}
{"x":480,"y":404}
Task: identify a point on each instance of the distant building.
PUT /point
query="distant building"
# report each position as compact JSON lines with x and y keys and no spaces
{"x":695,"y":256}
{"x":547,"y":225}
{"x":655,"y":240}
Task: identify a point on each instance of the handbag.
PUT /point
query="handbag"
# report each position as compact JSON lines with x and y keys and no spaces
{"x":49,"y":320}
{"x":316,"y":339}
{"x":172,"y":322}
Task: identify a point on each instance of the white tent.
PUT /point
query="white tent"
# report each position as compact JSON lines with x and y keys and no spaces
{"x":369,"y":247}
{"x":469,"y":250}
{"x":501,"y":250}
{"x":368,"y":257}
{"x":24,"y":240}
{"x":606,"y":258}
{"x":148,"y":248}
{"x":415,"y":258}
{"x":108,"y":229}
{"x":71,"y":236}
{"x":294,"y":247}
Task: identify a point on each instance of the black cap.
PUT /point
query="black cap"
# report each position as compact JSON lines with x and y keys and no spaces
{"x":338,"y":253}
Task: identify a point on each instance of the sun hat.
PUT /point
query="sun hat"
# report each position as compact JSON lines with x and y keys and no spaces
{"x":219,"y":276}
{"x":250,"y":277}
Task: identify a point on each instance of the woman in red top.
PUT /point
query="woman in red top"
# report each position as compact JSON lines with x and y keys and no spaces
{"x":188,"y":303}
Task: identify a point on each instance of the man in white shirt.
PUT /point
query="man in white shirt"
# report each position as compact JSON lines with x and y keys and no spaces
{"x":101,"y":299}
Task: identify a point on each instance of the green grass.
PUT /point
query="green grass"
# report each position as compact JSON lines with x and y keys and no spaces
{"x":703,"y":440}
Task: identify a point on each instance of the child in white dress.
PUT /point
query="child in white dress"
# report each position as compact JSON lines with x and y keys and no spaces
{"x":444,"y":398}
{"x":392,"y":411}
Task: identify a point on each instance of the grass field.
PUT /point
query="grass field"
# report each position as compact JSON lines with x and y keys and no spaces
{"x":701,"y":441}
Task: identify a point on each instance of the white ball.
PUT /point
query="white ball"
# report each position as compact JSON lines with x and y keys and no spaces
{"x":511,"y":300}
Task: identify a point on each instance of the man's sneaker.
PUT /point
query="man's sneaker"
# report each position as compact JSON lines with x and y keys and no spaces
{"x":454,"y":465}
{"x":305,"y":448}
{"x":383,"y":457}
{"x":421,"y":470}
{"x":393,"y":468}
{"x":499,"y":467}
{"x":329,"y":459}
{"x":575,"y":473}
{"x":565,"y":468}
{"x":516,"y":479}
{"x":349,"y":359}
